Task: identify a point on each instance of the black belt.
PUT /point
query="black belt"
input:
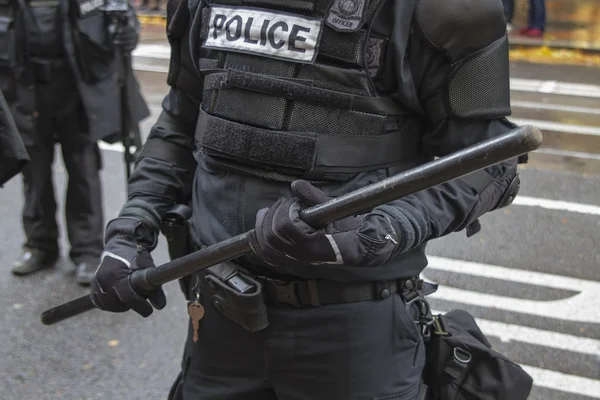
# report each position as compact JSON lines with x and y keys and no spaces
{"x":316,"y":293}
{"x":45,"y":70}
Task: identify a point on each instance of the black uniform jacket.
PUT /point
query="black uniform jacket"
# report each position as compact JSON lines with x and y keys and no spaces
{"x":225,"y":202}
{"x":101,"y":96}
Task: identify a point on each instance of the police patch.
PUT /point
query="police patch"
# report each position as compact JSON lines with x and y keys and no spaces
{"x":87,"y":8}
{"x":347,"y":15}
{"x":259,"y":31}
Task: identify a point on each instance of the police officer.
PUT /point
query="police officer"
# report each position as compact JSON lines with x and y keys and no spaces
{"x":66,"y":91}
{"x":274,"y":107}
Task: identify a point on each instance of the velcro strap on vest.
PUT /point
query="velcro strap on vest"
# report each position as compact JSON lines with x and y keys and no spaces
{"x":299,"y":92}
{"x":304,"y":151}
{"x":169,"y":152}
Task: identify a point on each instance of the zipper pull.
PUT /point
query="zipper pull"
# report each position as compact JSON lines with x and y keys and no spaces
{"x":390,"y":237}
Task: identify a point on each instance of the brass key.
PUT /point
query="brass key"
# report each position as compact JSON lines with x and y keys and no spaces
{"x":196,"y":313}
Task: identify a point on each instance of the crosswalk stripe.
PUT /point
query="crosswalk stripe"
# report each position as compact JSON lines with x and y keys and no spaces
{"x":563,"y":382}
{"x":557,"y":205}
{"x":557,"y":126}
{"x":516,"y":333}
{"x":583,"y":306}
{"x":511,"y":274}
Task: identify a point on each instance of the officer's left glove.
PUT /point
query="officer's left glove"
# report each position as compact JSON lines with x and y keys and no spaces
{"x":126,"y":251}
{"x":281,"y":238}
{"x":126,"y":34}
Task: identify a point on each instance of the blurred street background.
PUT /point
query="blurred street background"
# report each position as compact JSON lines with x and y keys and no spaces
{"x":531,"y":276}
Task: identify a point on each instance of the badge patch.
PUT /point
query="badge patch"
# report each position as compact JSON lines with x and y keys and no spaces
{"x":258,"y":31}
{"x":88,"y":7}
{"x":374,"y":55}
{"x":347,"y":15}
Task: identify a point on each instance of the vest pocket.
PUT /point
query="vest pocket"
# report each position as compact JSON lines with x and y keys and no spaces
{"x":94,"y":50}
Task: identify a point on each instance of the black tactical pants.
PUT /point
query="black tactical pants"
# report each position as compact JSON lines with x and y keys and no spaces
{"x":357,"y":351}
{"x":61,"y":117}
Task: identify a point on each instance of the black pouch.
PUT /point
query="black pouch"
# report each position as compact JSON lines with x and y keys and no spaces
{"x":236,"y":295}
{"x":94,"y":50}
{"x":176,"y":229}
{"x":461,"y":364}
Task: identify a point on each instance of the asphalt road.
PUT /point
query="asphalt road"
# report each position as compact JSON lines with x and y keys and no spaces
{"x":531,"y":277}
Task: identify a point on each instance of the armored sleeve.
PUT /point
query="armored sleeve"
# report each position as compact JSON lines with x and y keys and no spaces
{"x":164,"y":170}
{"x":458,"y":56}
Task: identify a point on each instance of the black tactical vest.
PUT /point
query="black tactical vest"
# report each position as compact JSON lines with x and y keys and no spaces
{"x":288,"y":89}
{"x":44,"y":29}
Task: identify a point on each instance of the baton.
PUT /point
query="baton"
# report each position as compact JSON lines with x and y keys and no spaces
{"x":470,"y":159}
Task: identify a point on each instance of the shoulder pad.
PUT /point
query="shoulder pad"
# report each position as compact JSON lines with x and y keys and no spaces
{"x":461,"y":27}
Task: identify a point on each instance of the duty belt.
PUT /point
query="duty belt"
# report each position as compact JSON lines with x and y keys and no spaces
{"x":313,"y":293}
{"x":46,"y":69}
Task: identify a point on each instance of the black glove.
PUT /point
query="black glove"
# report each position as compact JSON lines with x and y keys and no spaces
{"x":124,"y":253}
{"x":126,"y":34}
{"x":281,"y":238}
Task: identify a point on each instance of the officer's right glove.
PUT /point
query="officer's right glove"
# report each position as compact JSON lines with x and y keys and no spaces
{"x":126,"y":250}
{"x":281,"y":238}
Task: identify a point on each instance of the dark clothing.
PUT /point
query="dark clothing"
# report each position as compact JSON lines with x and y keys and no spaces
{"x":509,"y":10}
{"x":99,"y":96}
{"x":365,"y":350}
{"x":361,"y":351}
{"x":13,"y":155}
{"x":537,"y":14}
{"x":65,"y":91}
{"x":61,"y":119}
{"x":225,"y":202}
{"x":45,"y":35}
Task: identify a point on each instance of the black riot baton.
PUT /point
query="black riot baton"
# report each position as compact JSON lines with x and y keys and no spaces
{"x":487,"y":153}
{"x":117,"y":10}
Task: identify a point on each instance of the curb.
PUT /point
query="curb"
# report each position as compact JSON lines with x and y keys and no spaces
{"x":152,"y":19}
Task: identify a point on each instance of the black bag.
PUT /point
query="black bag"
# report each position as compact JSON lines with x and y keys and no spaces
{"x":461,"y":364}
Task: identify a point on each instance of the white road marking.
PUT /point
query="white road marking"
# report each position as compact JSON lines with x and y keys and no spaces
{"x":557,"y":126}
{"x":555,"y":107}
{"x":547,"y":87}
{"x":516,"y":333}
{"x":567,"y":153}
{"x":118,"y":147}
{"x":564,"y":382}
{"x":582,"y":307}
{"x":142,"y":66}
{"x":156,"y":50}
{"x":554,"y":87}
{"x":557,"y":205}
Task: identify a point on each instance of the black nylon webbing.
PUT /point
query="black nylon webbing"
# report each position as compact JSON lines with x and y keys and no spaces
{"x":305,"y":151}
{"x":298,"y":92}
{"x":284,"y":149}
